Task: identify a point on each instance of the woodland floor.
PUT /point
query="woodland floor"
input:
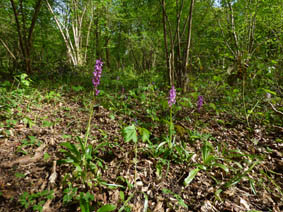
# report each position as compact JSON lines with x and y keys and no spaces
{"x":30,"y":172}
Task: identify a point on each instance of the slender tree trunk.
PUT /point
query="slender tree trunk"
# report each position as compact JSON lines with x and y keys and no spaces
{"x":24,"y":34}
{"x":107,"y":54}
{"x":7,"y":48}
{"x":21,"y":39}
{"x":184,"y":76}
{"x":75,"y":49}
{"x":97,"y":38}
{"x":66,"y":37}
{"x":88,"y":34}
{"x":165,"y":43}
{"x":178,"y":61}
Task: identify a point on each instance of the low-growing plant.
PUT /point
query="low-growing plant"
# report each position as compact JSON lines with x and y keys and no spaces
{"x":171,"y":102}
{"x":23,"y":80}
{"x":85,"y":200}
{"x":125,"y":207}
{"x":81,"y":156}
{"x":35,"y":200}
{"x":130,"y":134}
{"x":181,"y":202}
{"x":209,"y":161}
{"x":52,"y":96}
{"x":32,"y":141}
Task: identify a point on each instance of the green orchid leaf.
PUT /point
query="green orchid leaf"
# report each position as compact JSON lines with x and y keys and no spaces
{"x":107,"y":208}
{"x":225,"y":168}
{"x":71,"y":157}
{"x":81,"y":143}
{"x":88,"y":152}
{"x":71,"y":147}
{"x":191,"y":176}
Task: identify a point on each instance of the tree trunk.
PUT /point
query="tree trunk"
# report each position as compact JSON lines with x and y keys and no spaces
{"x":107,"y":54}
{"x":97,"y":37}
{"x":165,"y":43}
{"x":184,"y":78}
{"x":25,"y":39}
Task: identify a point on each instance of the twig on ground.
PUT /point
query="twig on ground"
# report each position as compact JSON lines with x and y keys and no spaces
{"x":273,"y":107}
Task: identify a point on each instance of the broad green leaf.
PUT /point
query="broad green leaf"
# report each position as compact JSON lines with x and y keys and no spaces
{"x":130,"y":134}
{"x":209,"y":160}
{"x":203,"y":167}
{"x":225,"y":168}
{"x":100,"y":146}
{"x":181,"y":201}
{"x":212,"y":105}
{"x":78,"y":167}
{"x":88,"y":152}
{"x":122,"y":196}
{"x":81,"y":143}
{"x":270,"y":91}
{"x":145,"y":205}
{"x":217,"y":194}
{"x":70,"y":157}
{"x":83,"y":206}
{"x":191,"y":176}
{"x":71,"y":147}
{"x":144,"y":133}
{"x":107,"y":208}
{"x":252,"y":184}
{"x":206,"y":149}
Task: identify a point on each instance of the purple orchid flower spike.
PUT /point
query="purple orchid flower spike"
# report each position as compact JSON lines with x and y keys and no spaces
{"x":97,"y":75}
{"x":172,"y":96}
{"x":200,"y":102}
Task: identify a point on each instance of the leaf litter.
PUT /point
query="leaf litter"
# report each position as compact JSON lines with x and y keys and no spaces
{"x":162,"y":183}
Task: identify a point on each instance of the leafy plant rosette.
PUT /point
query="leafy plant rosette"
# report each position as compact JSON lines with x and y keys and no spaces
{"x":81,"y":156}
{"x":209,"y":161}
{"x":171,"y":102}
{"x":130,"y":134}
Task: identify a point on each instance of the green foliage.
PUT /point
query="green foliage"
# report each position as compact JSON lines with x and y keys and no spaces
{"x":238,"y":70}
{"x":83,"y":159}
{"x":35,"y":200}
{"x":23,"y":80}
{"x":130,"y":134}
{"x":107,"y":208}
{"x":69,"y":194}
{"x":85,"y":199}
{"x":145,"y":134}
{"x":191,"y":176}
{"x":52,"y":96}
{"x":32,"y":141}
{"x":179,"y":199}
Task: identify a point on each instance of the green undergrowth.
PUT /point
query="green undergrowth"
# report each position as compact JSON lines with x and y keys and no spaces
{"x":153,"y":131}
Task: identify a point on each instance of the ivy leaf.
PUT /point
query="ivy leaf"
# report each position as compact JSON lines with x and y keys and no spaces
{"x":130,"y":134}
